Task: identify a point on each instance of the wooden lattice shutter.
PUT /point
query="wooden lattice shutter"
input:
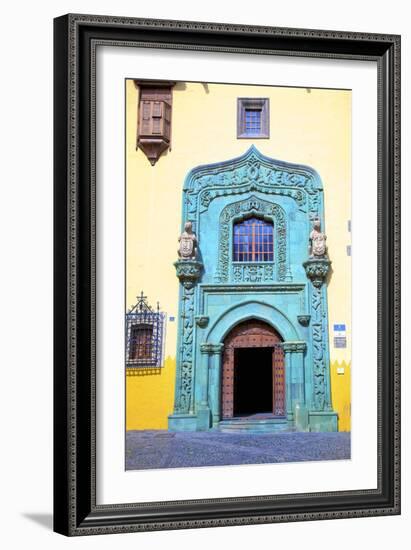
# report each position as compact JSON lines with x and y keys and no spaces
{"x":154,"y":124}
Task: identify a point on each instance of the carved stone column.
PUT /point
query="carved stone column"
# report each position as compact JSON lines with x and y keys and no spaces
{"x":214,"y":385}
{"x":287,"y":368}
{"x":208,"y":410}
{"x":188,"y":272}
{"x":295,"y":381}
{"x":203,"y":409}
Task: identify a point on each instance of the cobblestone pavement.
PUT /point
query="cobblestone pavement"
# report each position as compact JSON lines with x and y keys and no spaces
{"x":149,"y":449}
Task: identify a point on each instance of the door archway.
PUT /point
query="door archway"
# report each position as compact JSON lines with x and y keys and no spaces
{"x":253,"y":374}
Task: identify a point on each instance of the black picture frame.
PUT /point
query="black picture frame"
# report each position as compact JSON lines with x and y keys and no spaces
{"x":75,"y":509}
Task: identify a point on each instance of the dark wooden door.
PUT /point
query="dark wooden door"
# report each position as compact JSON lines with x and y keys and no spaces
{"x":253,"y":334}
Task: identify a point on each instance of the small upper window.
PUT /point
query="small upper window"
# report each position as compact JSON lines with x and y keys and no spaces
{"x":252,"y":118}
{"x":253,"y":241}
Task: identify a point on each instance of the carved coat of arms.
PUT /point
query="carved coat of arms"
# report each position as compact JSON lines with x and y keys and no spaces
{"x":187,"y":249}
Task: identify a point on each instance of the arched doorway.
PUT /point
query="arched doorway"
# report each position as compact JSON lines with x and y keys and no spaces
{"x":253,"y":378}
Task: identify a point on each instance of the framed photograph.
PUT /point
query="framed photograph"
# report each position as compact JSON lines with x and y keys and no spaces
{"x":227,"y":277}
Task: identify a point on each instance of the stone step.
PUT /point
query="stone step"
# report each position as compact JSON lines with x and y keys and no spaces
{"x":238,"y":425}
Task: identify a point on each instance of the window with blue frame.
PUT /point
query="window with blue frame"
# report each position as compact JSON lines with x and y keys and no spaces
{"x":253,"y":240}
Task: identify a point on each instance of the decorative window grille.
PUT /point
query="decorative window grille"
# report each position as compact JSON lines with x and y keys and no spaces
{"x":253,"y":117}
{"x":144,"y":335}
{"x":253,"y":241}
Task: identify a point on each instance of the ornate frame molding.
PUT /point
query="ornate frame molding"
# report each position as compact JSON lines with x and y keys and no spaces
{"x":75,"y":508}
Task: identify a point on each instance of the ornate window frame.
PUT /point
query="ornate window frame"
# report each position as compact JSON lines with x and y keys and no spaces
{"x":227,"y":269}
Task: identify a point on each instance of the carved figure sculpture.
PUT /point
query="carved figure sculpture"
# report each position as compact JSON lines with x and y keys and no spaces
{"x":317,"y":247}
{"x":188,"y":243}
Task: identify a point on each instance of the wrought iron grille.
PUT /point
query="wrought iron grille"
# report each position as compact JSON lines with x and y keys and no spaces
{"x":144,"y":335}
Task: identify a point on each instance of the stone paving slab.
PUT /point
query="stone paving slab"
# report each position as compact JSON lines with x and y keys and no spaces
{"x":152,"y":449}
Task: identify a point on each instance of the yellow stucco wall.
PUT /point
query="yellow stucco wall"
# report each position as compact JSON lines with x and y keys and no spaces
{"x":307,"y":126}
{"x":341,"y":393}
{"x":150,"y":396}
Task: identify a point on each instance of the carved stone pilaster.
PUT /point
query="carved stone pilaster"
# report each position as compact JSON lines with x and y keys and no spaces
{"x":317,"y":270}
{"x":188,"y":272}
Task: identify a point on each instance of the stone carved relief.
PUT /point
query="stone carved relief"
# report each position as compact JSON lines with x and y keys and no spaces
{"x":183,"y":400}
{"x":188,"y":271}
{"x":251,"y":172}
{"x":316,"y":269}
{"x":299,"y":196}
{"x":317,"y":247}
{"x":255,"y":273}
{"x":187,"y":249}
{"x":304,"y":320}
{"x":202,"y":321}
{"x":248,"y":273}
{"x":318,"y":348}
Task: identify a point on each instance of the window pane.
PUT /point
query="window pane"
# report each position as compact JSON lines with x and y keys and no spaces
{"x":253,"y":241}
{"x":252,"y":121}
{"x":141,"y":342}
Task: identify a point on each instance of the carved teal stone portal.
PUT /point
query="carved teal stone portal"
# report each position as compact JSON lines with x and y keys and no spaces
{"x":216,"y":293}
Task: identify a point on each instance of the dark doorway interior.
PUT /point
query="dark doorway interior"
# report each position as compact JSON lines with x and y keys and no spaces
{"x":253,"y":381}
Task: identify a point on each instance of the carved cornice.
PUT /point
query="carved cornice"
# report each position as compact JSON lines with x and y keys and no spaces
{"x":247,"y":288}
{"x":210,"y":349}
{"x":294,"y":347}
